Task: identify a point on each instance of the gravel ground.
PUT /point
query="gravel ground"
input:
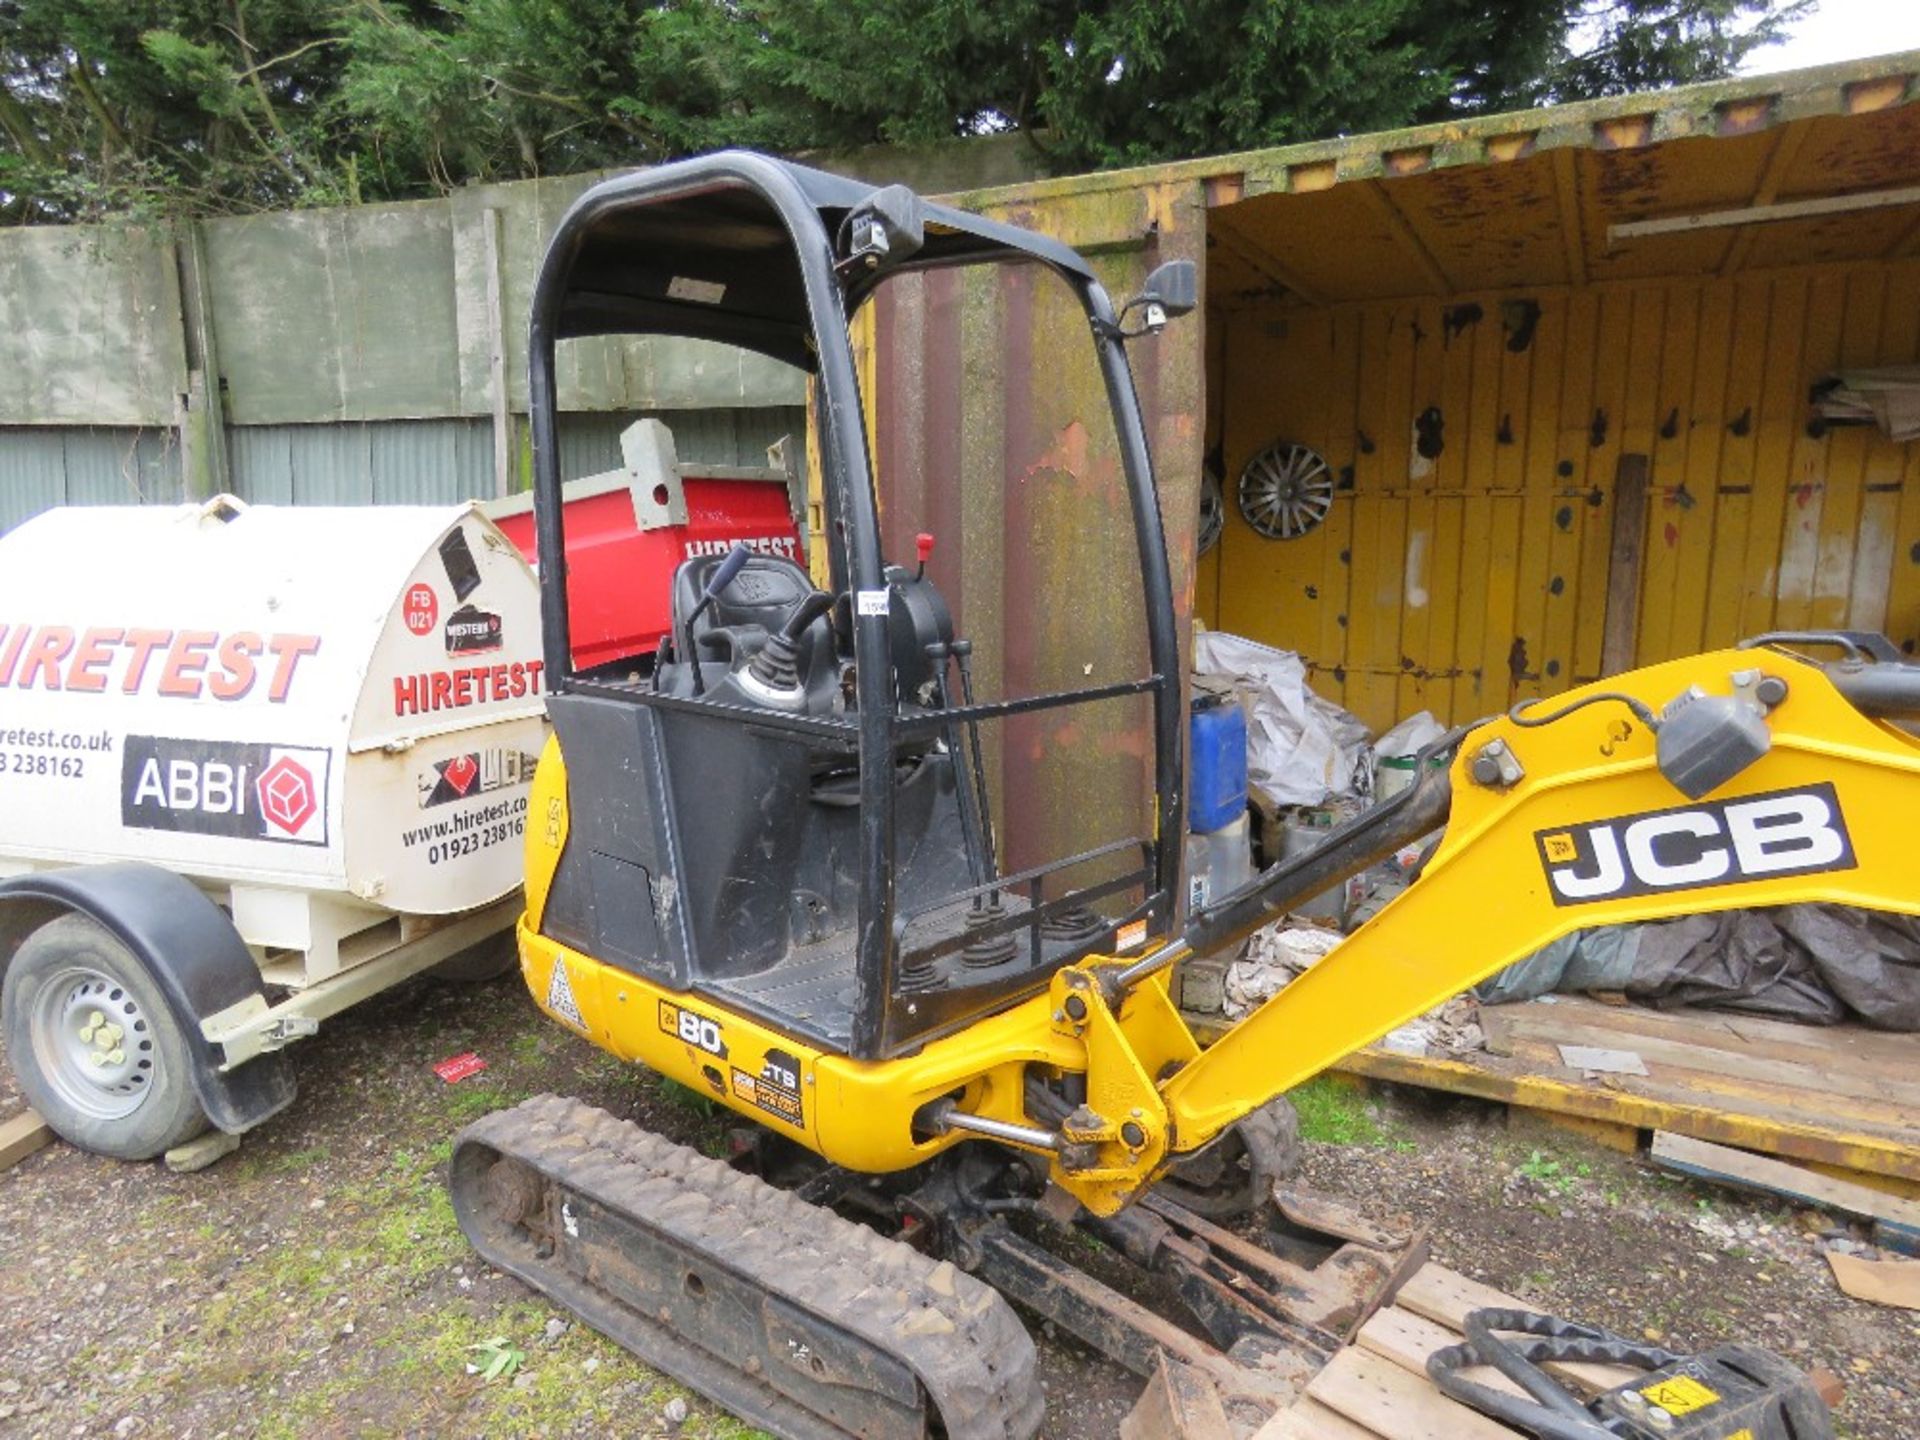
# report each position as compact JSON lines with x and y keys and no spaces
{"x":314,"y":1283}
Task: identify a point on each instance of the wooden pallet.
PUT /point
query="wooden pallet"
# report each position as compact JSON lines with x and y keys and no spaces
{"x":1377,"y":1388}
{"x":1842,"y":1098}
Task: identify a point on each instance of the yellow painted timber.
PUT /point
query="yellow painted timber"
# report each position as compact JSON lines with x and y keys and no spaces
{"x":1576,"y":319}
{"x":1903,"y":581}
{"x":1807,"y":475}
{"x":1673,"y":406}
{"x":1739,"y":450}
{"x":1751,"y":521}
{"x":1840,"y":531}
{"x":1604,"y":423}
{"x":1533,"y":424}
{"x":1333,"y":563}
{"x":1694,"y":506}
{"x":1777,"y":424}
{"x":1774,"y":1136}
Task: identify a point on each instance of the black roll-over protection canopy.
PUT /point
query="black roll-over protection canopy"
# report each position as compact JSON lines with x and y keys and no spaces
{"x":717,"y":262}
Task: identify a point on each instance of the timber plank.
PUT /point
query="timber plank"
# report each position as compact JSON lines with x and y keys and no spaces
{"x":1379,"y":1395}
{"x":1310,"y":1420}
{"x":1441,"y":1299}
{"x":1854,"y":1048}
{"x":20,"y":1136}
{"x":1704,"y":1083}
{"x":1791,"y":1134}
{"x":1761,"y":1172}
{"x":1408,"y":1339}
{"x":1504,"y":1031}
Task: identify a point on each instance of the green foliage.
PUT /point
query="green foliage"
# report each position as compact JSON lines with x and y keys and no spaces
{"x":1333,"y":1112}
{"x":204,"y":106}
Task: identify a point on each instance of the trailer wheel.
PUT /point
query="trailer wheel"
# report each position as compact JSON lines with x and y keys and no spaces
{"x":477,"y":964}
{"x":94,"y":1044}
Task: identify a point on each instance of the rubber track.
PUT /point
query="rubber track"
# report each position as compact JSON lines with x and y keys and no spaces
{"x":958,"y":1336}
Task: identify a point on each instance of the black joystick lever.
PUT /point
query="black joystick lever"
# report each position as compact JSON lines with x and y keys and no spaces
{"x":722,"y":576}
{"x":775,"y":665}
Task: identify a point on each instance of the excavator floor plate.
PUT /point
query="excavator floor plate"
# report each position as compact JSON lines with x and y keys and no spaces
{"x":794,"y":1319}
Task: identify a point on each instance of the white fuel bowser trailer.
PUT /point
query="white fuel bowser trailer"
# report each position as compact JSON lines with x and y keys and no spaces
{"x":256,"y":764}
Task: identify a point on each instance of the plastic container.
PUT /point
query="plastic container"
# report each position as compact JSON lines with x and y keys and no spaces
{"x":1218,"y":863}
{"x":334,"y":705}
{"x":1217,"y":737}
{"x":1394,"y":773}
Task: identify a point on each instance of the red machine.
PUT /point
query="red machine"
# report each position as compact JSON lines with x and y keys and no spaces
{"x":628,"y":529}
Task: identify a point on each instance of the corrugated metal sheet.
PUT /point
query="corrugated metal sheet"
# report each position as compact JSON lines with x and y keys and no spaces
{"x":992,"y":432}
{"x":94,"y":465}
{"x":402,"y":462}
{"x":1463,"y":582}
{"x":395,"y":462}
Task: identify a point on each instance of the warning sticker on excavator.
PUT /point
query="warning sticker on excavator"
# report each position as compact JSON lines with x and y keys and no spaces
{"x":776,"y":1089}
{"x":1681,"y":1395}
{"x":560,"y":996}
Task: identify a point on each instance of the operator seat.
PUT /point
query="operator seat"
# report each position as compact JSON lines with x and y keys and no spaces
{"x":750,"y":609}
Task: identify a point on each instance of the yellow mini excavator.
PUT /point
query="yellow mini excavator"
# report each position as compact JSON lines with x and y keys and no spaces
{"x":770,"y":863}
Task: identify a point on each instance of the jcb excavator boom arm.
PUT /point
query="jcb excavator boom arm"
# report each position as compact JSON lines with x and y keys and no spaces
{"x":1590,"y":832}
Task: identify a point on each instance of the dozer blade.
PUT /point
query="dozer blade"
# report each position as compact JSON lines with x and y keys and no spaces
{"x":792,"y":1318}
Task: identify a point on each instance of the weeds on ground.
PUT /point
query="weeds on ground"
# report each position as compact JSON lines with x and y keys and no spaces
{"x":1332,"y":1113}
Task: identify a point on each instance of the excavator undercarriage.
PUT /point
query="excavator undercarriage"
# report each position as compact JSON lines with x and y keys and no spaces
{"x":764,"y":1297}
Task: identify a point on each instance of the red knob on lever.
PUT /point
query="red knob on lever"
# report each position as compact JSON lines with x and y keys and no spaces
{"x":923,"y":542}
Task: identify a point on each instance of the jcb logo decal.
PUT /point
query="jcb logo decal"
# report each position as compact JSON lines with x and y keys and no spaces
{"x":1726,"y":842}
{"x":695,"y":1030}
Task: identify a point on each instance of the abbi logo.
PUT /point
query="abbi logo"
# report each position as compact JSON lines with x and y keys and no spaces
{"x":288,"y":797}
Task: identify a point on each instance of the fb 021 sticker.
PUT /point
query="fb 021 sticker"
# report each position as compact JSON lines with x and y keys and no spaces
{"x":236,"y":789}
{"x":1693,"y":847}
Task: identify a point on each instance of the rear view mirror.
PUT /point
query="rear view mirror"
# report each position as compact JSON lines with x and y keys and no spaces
{"x":885,"y":228}
{"x":1174,"y":287}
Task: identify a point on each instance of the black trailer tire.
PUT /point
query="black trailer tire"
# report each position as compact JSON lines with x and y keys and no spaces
{"x":477,"y":964}
{"x":74,"y":993}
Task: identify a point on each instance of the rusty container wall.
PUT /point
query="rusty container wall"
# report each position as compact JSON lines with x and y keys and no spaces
{"x":991,"y":432}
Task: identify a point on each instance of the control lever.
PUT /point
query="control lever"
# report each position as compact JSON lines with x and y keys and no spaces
{"x":722,"y":577}
{"x":775,"y":664}
{"x":963,"y":657}
{"x":969,"y":798}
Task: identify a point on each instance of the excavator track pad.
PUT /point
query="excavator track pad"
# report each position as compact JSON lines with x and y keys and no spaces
{"x":789,"y":1316}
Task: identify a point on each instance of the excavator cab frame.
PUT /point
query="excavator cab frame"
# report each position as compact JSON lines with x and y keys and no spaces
{"x":821,"y":819}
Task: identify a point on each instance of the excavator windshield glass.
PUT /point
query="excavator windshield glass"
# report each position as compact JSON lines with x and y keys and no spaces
{"x":993,"y":436}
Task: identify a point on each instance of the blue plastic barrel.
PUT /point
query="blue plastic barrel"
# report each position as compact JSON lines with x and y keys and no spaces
{"x":1217,"y":737}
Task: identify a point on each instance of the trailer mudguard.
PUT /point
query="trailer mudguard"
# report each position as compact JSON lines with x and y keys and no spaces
{"x":190,"y":948}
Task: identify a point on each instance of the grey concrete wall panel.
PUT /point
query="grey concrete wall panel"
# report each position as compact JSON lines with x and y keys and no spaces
{"x":336,"y":314}
{"x":661,"y":373}
{"x":89,"y":327}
